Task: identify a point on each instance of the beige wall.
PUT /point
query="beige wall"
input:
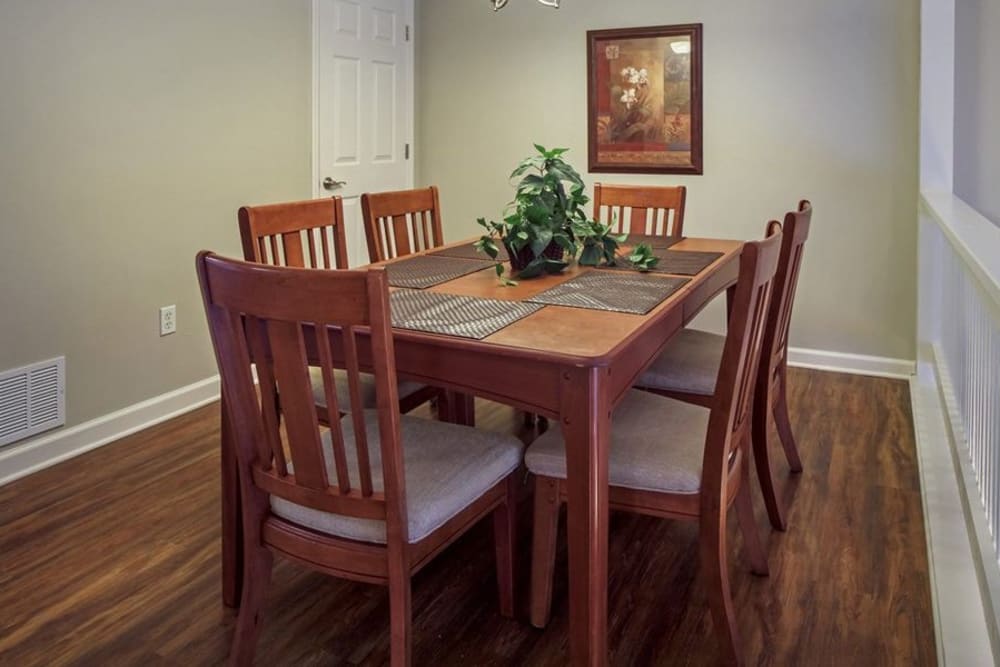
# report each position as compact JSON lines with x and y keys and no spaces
{"x":130,"y":132}
{"x":802,"y":99}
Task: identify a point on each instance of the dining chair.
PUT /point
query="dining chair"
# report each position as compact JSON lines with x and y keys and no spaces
{"x":687,"y":368}
{"x":652,"y":210}
{"x":401,"y":223}
{"x":372,"y":498}
{"x":675,"y":460}
{"x":310,"y":234}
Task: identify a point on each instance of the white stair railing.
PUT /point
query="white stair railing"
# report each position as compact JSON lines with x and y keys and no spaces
{"x":959,"y":347}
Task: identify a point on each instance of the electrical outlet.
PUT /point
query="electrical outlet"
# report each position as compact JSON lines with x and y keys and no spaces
{"x":168,"y":320}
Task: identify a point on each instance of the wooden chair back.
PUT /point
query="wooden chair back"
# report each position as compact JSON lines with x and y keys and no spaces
{"x":652,"y":210}
{"x":793,"y":239}
{"x":729,"y":423}
{"x":401,"y":223}
{"x":260,"y":315}
{"x":290,"y":234}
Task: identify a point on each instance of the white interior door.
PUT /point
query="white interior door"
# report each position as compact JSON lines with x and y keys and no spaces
{"x":364,"y":104}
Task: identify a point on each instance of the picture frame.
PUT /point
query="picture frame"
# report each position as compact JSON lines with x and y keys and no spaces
{"x":644,"y":108}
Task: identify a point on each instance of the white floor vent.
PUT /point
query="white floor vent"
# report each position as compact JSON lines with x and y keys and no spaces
{"x":32,"y":399}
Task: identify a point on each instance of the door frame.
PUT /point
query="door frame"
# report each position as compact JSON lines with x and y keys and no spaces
{"x":408,"y":107}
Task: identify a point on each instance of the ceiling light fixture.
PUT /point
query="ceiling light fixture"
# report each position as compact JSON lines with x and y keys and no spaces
{"x":500,"y":4}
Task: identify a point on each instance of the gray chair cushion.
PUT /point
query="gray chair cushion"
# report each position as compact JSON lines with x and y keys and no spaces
{"x":690,"y":363}
{"x":657,"y":444}
{"x":447,"y":467}
{"x":367,"y":383}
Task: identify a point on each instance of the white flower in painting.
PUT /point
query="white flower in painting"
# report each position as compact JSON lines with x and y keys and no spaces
{"x":636,"y":77}
{"x":628,"y":98}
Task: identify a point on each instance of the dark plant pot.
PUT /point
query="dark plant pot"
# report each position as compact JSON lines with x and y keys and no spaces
{"x":524,"y":256}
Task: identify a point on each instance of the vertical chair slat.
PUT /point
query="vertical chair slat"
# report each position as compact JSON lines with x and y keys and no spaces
{"x":357,"y":410}
{"x":326,"y":250}
{"x":268,"y":393}
{"x":301,"y":420}
{"x":638,"y":220}
{"x":291,"y":243}
{"x":332,"y":408}
{"x":400,"y":233}
{"x":382,"y":238}
{"x":415,"y":235}
{"x":234,"y":324}
{"x":428,"y":237}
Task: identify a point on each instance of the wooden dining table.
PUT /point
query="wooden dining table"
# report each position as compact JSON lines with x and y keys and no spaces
{"x":569,"y":364}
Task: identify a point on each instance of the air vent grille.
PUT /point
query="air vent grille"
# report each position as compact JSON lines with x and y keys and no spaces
{"x":32,"y":400}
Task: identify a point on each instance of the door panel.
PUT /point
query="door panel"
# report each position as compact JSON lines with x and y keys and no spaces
{"x":364,"y":104}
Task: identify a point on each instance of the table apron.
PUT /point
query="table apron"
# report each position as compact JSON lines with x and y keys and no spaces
{"x":721,"y":279}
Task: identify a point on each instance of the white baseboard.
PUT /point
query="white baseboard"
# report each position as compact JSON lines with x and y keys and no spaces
{"x":16,"y":461}
{"x":857,"y":364}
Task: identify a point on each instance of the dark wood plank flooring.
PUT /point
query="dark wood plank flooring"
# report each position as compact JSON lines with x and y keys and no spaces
{"x":112,"y":558}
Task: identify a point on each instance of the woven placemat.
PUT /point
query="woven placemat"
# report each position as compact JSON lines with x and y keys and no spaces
{"x":652,"y":241}
{"x":453,"y":315}
{"x":468,"y":251}
{"x":426,"y":271}
{"x":676,"y":262}
{"x":615,"y":291}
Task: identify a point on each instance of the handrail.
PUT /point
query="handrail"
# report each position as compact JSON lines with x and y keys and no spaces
{"x":971,"y":234}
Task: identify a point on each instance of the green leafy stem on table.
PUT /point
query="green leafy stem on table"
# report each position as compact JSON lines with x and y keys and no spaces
{"x":642,"y":258}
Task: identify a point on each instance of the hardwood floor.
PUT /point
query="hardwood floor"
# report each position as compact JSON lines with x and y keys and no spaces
{"x":91,"y":575}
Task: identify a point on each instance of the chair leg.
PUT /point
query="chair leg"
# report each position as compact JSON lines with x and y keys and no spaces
{"x":256,"y":578}
{"x":785,"y":426}
{"x":762,"y":461}
{"x":748,"y":525}
{"x":505,"y":541}
{"x":712,"y":548}
{"x":401,"y":633}
{"x":543,"y":549}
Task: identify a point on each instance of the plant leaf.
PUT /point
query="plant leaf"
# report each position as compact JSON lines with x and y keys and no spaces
{"x":541,"y":241}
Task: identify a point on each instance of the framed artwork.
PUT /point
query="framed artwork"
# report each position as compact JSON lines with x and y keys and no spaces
{"x":644,"y":92}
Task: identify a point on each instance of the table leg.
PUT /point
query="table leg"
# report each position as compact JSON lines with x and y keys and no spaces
{"x":232,"y":534}
{"x":585,"y":413}
{"x":463,"y":408}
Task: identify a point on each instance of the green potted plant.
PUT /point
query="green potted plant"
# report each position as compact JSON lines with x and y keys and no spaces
{"x":546,"y":223}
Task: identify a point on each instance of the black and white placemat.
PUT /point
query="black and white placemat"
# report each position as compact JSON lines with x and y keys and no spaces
{"x":652,"y":241}
{"x":616,"y":291}
{"x":468,"y":251}
{"x":454,"y":315}
{"x":426,"y":271}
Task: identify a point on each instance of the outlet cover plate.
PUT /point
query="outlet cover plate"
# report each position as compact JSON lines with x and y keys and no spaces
{"x":168,"y":320}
